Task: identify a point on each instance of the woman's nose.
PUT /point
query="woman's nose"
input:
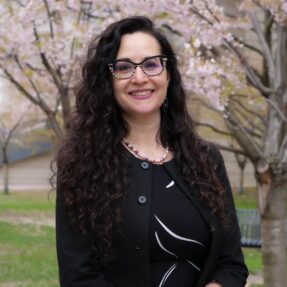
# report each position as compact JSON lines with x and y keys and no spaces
{"x":139,"y":75}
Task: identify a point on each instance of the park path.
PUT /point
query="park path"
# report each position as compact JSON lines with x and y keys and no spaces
{"x":254,"y":279}
{"x":38,"y":219}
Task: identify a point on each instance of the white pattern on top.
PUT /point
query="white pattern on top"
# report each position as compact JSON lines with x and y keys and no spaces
{"x":162,"y":247}
{"x":175,"y":235}
{"x":166,"y":275}
{"x":170,"y":184}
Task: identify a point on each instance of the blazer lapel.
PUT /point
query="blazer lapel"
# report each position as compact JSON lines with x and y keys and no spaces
{"x":172,"y":169}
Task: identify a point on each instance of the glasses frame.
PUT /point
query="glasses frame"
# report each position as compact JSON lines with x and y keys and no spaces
{"x":135,"y":65}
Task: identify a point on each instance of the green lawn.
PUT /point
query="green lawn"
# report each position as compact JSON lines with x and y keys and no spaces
{"x":27,"y":251}
{"x":247,"y":200}
{"x":26,"y":202}
{"x":253,"y":260}
{"x":27,"y":255}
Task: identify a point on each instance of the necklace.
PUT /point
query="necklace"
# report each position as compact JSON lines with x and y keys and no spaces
{"x":140,"y":156}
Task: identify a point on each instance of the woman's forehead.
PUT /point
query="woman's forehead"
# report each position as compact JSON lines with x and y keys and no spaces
{"x":137,"y":46}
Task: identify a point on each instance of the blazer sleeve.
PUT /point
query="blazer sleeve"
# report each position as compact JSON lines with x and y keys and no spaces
{"x":75,"y":255}
{"x":230,"y":269}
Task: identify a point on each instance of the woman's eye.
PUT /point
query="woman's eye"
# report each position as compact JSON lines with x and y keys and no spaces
{"x":151,"y":64}
{"x":122,"y":67}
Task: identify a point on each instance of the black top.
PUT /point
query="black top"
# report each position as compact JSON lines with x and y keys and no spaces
{"x":179,"y":237}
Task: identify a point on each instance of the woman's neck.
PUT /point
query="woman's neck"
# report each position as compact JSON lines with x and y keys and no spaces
{"x":143,"y":130}
{"x":144,"y":137}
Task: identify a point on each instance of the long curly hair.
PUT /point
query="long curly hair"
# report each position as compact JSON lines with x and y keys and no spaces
{"x":93,"y":170}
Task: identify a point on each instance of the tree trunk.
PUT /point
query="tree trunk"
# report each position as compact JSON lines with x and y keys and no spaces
{"x":55,"y":125}
{"x":241,"y":182}
{"x":5,"y":171}
{"x":66,"y":107}
{"x":241,"y":161}
{"x":274,"y":237}
{"x":6,"y":178}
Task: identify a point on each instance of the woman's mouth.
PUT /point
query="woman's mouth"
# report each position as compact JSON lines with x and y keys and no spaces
{"x":141,"y":94}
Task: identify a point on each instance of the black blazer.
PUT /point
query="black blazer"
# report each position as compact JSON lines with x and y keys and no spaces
{"x":224,"y":264}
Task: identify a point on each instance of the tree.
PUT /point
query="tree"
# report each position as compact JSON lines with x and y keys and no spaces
{"x":40,"y":52}
{"x":16,"y":116}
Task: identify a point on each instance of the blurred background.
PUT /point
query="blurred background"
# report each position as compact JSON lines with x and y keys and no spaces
{"x":233,"y":58}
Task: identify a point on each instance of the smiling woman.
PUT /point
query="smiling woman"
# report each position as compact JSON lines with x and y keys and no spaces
{"x":142,"y":200}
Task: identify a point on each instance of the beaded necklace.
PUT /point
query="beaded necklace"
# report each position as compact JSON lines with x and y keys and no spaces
{"x":140,"y":156}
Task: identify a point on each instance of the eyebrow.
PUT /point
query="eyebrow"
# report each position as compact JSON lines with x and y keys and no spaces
{"x":129,"y":60}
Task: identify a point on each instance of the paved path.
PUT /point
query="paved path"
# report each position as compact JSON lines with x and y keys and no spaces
{"x":254,"y":279}
{"x":37,"y":219}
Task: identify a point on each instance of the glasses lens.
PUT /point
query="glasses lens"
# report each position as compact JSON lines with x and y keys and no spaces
{"x":123,"y":69}
{"x":153,"y":66}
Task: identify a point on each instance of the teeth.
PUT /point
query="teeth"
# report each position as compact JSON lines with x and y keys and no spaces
{"x":141,"y":93}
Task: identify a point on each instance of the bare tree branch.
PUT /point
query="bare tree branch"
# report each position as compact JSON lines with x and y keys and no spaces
{"x":274,"y":105}
{"x":35,"y":69}
{"x":254,"y":113}
{"x":250,"y":73}
{"x":243,"y":137}
{"x":265,"y":48}
{"x":247,"y":45}
{"x":19,"y":86}
{"x":212,"y":127}
{"x":50,"y":18}
{"x":230,"y":149}
{"x":47,"y":65}
{"x":281,"y":58}
{"x":85,"y":11}
{"x":251,"y":126}
{"x":283,"y":147}
{"x":251,"y":131}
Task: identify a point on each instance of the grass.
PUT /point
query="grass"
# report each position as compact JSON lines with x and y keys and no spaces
{"x":26,"y":202}
{"x":27,"y":255}
{"x":247,"y":200}
{"x":27,"y":251}
{"x":253,"y":259}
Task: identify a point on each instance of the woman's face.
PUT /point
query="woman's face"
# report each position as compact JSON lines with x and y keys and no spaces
{"x":141,"y":94}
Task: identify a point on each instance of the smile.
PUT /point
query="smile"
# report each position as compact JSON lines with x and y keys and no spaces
{"x":141,"y":94}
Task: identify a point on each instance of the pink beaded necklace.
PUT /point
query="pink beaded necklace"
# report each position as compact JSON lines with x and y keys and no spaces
{"x":140,"y":156}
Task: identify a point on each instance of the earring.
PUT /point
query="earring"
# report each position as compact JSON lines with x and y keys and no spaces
{"x":165,"y":105}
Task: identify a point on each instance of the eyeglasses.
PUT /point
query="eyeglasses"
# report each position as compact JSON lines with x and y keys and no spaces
{"x":125,"y":69}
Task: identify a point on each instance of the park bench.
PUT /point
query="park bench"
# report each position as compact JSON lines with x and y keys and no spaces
{"x":249,"y":224}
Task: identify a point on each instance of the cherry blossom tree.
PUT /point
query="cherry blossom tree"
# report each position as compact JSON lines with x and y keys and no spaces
{"x":40,"y":51}
{"x":17,"y":116}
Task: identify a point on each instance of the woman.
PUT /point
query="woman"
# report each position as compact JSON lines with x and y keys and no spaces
{"x":141,"y":199}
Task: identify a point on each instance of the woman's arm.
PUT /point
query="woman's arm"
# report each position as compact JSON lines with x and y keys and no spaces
{"x":230,"y":269}
{"x":75,"y":255}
